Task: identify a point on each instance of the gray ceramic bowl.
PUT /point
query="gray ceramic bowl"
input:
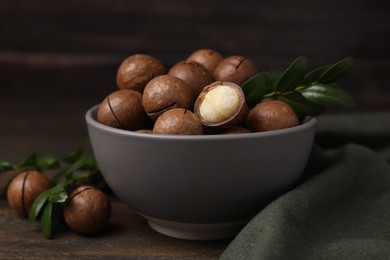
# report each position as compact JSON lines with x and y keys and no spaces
{"x":199,"y":187}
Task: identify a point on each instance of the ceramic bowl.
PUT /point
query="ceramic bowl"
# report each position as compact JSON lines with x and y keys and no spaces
{"x":200,"y":187}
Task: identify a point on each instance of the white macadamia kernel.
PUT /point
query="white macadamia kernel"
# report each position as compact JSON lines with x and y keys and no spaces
{"x":219,"y":104}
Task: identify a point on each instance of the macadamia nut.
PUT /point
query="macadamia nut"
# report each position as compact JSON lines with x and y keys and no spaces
{"x":137,"y":70}
{"x":24,"y":189}
{"x":88,"y":210}
{"x":123,"y":109}
{"x":166,"y":92}
{"x":178,"y":121}
{"x":194,"y":74}
{"x":207,"y":57}
{"x":236,"y":69}
{"x":219,"y":104}
{"x":271,"y":115}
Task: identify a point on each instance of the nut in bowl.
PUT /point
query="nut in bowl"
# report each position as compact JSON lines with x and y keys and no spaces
{"x":220,"y":141}
{"x":200,"y":187}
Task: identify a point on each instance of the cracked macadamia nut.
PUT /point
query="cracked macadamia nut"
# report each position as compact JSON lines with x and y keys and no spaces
{"x":221,"y":104}
{"x":271,"y":115}
{"x":236,"y":69}
{"x":137,"y":70}
{"x":24,"y":189}
{"x":194,"y":74}
{"x":207,"y":57}
{"x":166,"y":92}
{"x":178,"y":121}
{"x":123,"y":109}
{"x":87,"y":210}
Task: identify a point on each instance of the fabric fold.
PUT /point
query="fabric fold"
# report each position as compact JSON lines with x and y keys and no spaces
{"x":341,"y":210}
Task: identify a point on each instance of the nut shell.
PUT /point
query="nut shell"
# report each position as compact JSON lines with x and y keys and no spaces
{"x":24,"y":189}
{"x":237,"y":118}
{"x":271,"y":115}
{"x":166,"y":92}
{"x":236,"y":69}
{"x":123,"y":109}
{"x":209,"y":58}
{"x":235,"y":130}
{"x":178,"y":121}
{"x":87,"y":210}
{"x":192,"y":73}
{"x":137,"y":70}
{"x":145,"y":131}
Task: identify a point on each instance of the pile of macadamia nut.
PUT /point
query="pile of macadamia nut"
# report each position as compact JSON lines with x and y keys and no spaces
{"x":200,"y":95}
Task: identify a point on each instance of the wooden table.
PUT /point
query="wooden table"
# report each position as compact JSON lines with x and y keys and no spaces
{"x":127,"y":236}
{"x":44,"y":124}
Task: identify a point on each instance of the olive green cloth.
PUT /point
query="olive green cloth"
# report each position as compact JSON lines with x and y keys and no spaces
{"x":341,"y":209}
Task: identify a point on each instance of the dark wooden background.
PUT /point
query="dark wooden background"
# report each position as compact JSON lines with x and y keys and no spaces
{"x":58,"y":58}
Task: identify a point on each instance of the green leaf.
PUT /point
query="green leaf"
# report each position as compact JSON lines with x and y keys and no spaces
{"x":58,"y":197}
{"x":29,"y":161}
{"x":75,"y":166}
{"x":46,"y":220}
{"x":37,"y":205}
{"x":88,"y":162}
{"x":5,"y":165}
{"x":255,"y":88}
{"x":273,"y":77}
{"x":293,"y":75}
{"x":336,"y":71}
{"x":300,"y":105}
{"x":275,"y":74}
{"x":327,"y":95}
{"x":313,"y":75}
{"x":255,"y":96}
{"x":73,"y":156}
{"x":62,"y":184}
{"x":48,"y":162}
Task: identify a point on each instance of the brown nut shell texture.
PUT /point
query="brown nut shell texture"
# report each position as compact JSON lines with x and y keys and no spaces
{"x":24,"y":189}
{"x":137,"y":70}
{"x":123,"y":109}
{"x":192,"y":73}
{"x":209,"y":58}
{"x":235,"y":130}
{"x":166,"y":92}
{"x":271,"y":115}
{"x":178,"y":121}
{"x":236,"y":69}
{"x":87,"y":210}
{"x":221,"y":105}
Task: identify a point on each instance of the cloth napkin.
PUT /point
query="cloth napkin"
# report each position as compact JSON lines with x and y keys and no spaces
{"x":341,"y":209}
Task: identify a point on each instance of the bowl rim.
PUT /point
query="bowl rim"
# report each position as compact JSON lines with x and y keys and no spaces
{"x":90,"y":118}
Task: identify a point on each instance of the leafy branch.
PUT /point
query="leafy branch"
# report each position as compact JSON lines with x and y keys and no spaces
{"x":76,"y":167}
{"x":307,"y":92}
{"x":31,"y":162}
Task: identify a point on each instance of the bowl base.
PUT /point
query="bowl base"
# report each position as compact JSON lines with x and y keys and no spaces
{"x":196,"y":231}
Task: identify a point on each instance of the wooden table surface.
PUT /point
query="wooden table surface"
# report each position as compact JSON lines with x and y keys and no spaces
{"x":127,"y":236}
